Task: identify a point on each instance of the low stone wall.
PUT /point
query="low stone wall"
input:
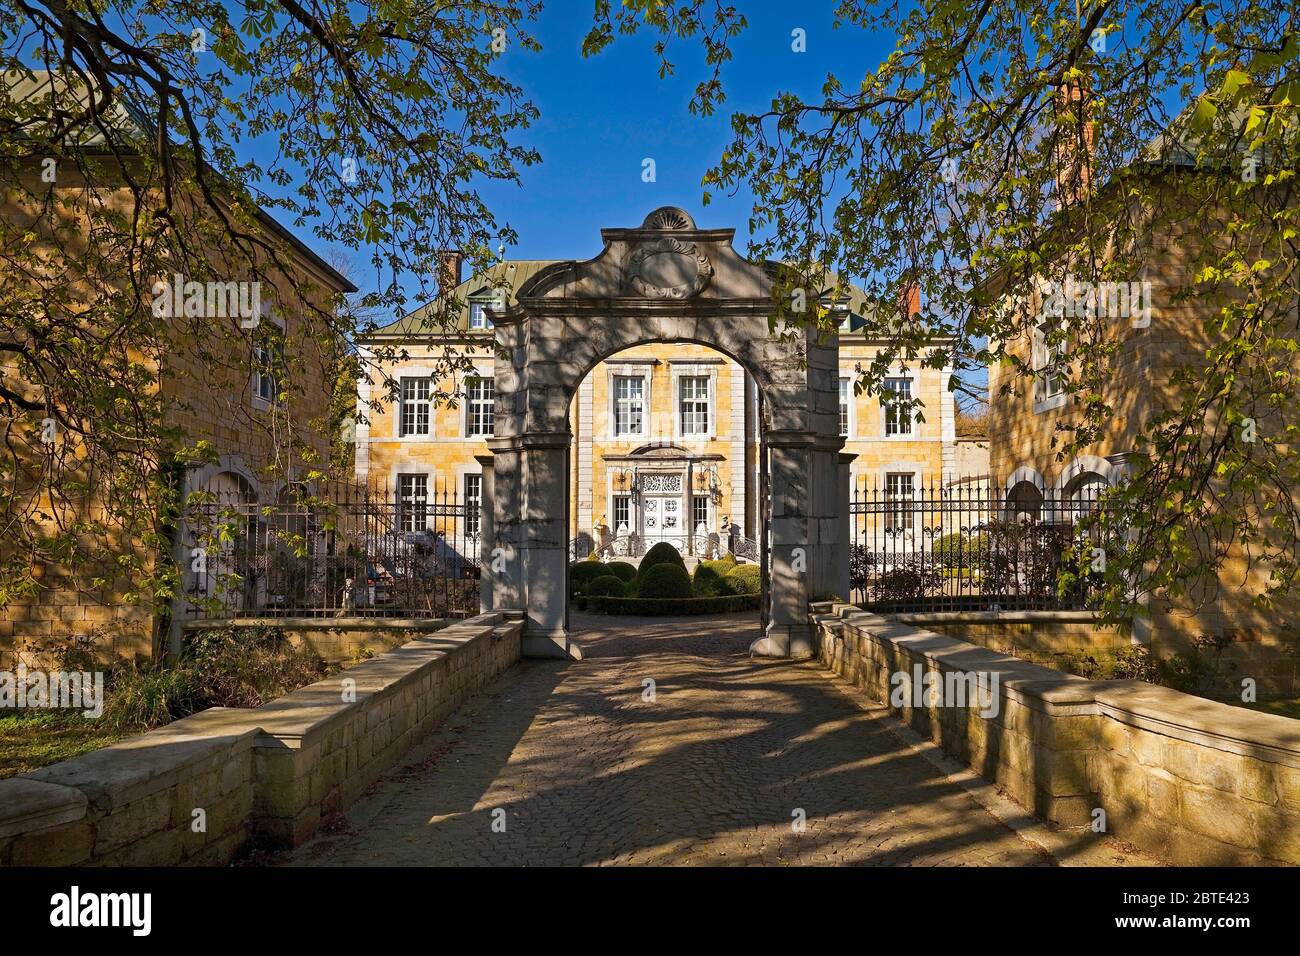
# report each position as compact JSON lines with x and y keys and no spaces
{"x":1025,"y":634}
{"x":202,"y":789}
{"x":134,"y":803}
{"x":1189,"y":779}
{"x":339,"y":640}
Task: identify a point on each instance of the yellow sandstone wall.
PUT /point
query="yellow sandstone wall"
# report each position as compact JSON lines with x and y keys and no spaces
{"x":1139,"y":383}
{"x":922,"y":452}
{"x":202,"y":368}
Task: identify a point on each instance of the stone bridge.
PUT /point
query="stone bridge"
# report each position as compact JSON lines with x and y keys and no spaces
{"x":669,"y":744}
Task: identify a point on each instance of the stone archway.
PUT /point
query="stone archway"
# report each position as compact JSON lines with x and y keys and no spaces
{"x":664,"y":281}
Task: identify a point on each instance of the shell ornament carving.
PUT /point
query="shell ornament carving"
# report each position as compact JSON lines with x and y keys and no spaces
{"x":669,"y":269}
{"x":667,"y":219}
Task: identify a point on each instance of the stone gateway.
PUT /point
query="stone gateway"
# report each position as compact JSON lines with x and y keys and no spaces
{"x":664,"y":281}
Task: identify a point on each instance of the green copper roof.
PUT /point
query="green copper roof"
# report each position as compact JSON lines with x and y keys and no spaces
{"x":509,"y":274}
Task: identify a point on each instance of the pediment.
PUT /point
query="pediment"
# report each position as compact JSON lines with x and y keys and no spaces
{"x":666,"y":258}
{"x":660,"y":451}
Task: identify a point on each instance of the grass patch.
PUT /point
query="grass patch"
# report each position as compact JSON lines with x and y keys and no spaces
{"x":31,"y":739}
{"x":1285,"y":707}
{"x":220,"y":667}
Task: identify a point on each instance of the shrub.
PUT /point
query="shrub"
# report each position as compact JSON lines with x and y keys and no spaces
{"x":606,"y":586}
{"x":219,"y":667}
{"x":708,"y":579}
{"x":907,"y":580}
{"x":138,"y":698}
{"x":665,"y":580}
{"x":660,"y":607}
{"x":950,"y":549}
{"x":1126,"y":663}
{"x":249,"y":666}
{"x":582,"y":573}
{"x":743,"y":579}
{"x":661,"y":553}
{"x":861,"y":561}
{"x":622,"y":570}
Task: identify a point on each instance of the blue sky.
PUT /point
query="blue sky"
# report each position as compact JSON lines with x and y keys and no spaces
{"x":603,"y":115}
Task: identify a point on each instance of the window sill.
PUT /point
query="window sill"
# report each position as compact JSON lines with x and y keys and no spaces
{"x":1048,"y":404}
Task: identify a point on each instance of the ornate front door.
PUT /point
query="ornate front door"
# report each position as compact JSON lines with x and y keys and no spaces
{"x":661,"y":510}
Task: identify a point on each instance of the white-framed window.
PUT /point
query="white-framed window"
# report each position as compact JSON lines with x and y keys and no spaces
{"x":699,"y":512}
{"x":693,"y":404}
{"x":480,"y":406}
{"x":629,"y":405}
{"x":473,"y":504}
{"x":412,"y":502}
{"x":266,"y":387}
{"x":899,"y":490}
{"x":415,"y":408}
{"x":1048,"y":364}
{"x":268,"y":365}
{"x":897,"y":398}
{"x":623,"y":513}
{"x":846,"y":393}
{"x":478,"y":319}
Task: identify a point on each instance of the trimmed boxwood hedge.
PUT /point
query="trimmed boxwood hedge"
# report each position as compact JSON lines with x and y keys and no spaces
{"x":665,"y":607}
{"x":661,"y":553}
{"x":743,"y":579}
{"x":665,"y":581}
{"x":622,"y":570}
{"x":708,"y":580}
{"x":582,"y":573}
{"x":606,"y":585}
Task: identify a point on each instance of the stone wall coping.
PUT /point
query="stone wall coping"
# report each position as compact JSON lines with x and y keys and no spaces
{"x":1161,"y":710}
{"x":1210,"y":723}
{"x":27,"y":805}
{"x":299,"y":718}
{"x":156,"y":758}
{"x":1039,"y":687}
{"x":996,"y":617}
{"x":329,"y":623}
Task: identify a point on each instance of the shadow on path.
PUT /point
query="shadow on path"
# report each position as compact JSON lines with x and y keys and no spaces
{"x":667,"y":744}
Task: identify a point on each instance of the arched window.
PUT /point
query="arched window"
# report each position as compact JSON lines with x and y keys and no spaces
{"x":1084,"y":491}
{"x":1025,"y":502}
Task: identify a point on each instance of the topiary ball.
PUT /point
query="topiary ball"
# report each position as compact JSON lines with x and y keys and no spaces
{"x":582,"y":573}
{"x":606,"y":586}
{"x":665,"y":580}
{"x":661,"y":553}
{"x":708,"y":581}
{"x":621,"y":570}
{"x":743,"y":579}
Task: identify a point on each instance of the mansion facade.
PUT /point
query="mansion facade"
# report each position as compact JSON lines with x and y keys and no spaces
{"x":666,"y":436}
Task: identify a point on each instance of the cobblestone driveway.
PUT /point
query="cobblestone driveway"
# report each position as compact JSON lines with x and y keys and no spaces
{"x":711,"y":771}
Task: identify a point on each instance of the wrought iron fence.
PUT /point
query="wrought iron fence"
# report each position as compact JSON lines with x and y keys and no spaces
{"x":624,"y":546}
{"x":331,"y":549}
{"x":971,"y":545}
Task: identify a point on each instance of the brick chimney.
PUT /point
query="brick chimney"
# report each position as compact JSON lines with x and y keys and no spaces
{"x":450,"y":264}
{"x":1075,"y":142}
{"x":909,"y":300}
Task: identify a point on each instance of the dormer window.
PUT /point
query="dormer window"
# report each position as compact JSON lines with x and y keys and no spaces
{"x":478,"y":320}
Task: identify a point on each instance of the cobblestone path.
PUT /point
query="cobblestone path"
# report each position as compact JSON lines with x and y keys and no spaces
{"x":717,"y":768}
